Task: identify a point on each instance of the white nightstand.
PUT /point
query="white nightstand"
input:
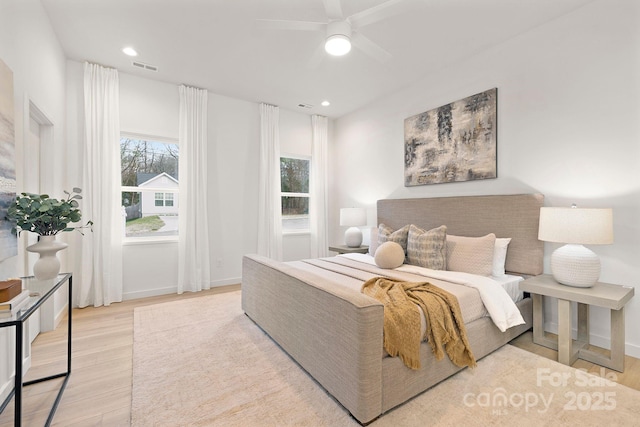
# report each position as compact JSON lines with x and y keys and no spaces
{"x":613,"y":297}
{"x":343,"y":249}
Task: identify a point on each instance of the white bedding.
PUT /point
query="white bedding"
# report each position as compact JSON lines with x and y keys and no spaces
{"x":497,"y":294}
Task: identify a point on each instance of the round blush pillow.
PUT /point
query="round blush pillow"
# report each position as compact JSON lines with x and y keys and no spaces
{"x":389,"y":255}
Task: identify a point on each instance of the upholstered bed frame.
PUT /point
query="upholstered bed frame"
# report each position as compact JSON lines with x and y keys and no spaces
{"x":335,"y":333}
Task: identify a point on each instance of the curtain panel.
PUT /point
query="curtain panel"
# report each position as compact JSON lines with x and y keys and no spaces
{"x":100,"y":281}
{"x":318,"y":180}
{"x":194,"y":273}
{"x":269,"y":201}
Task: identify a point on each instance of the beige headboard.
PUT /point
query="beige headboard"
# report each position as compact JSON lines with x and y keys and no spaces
{"x":514,"y":216}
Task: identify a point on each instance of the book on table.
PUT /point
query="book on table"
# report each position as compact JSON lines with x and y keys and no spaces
{"x":14,"y":304}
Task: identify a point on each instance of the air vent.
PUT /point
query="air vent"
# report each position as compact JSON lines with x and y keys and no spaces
{"x":145,"y":66}
{"x":305,"y":106}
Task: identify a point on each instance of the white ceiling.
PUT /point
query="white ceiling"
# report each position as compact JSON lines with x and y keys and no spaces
{"x":215,"y":44}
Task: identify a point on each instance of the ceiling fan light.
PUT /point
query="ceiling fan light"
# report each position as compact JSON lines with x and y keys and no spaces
{"x":337,"y":45}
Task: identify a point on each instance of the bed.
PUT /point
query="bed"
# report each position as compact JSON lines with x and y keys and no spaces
{"x":314,"y":311}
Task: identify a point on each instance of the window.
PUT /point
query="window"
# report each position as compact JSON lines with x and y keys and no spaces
{"x":149,"y":186}
{"x":294,"y":190}
{"x":164,"y":199}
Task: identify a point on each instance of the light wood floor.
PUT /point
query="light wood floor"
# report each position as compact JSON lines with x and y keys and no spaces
{"x":99,"y":389}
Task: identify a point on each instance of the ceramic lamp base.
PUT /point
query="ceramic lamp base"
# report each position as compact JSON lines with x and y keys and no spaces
{"x":575,"y":265}
{"x":353,"y":237}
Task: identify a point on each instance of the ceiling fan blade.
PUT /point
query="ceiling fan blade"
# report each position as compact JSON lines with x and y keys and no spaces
{"x":317,"y":57}
{"x":383,"y":11}
{"x":333,"y":8}
{"x":370,"y":48}
{"x":274,"y":24}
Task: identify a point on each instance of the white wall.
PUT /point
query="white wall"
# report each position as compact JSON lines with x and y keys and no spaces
{"x":149,"y":107}
{"x":38,"y":66}
{"x":568,"y":110}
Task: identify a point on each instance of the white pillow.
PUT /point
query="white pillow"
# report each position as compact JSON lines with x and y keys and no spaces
{"x":500,"y":256}
{"x":373,"y":241}
{"x":389,"y":255}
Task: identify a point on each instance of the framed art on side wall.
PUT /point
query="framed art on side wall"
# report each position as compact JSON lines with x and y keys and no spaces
{"x":8,"y":242}
{"x":452,"y":143}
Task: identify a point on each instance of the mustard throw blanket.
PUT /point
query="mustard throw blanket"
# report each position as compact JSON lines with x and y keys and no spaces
{"x":402,"y":321}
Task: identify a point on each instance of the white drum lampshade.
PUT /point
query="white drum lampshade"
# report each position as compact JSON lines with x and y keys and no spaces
{"x":353,"y":218}
{"x":573,"y":264}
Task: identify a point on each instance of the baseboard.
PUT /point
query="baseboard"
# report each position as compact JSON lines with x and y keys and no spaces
{"x":8,"y":386}
{"x":149,"y":293}
{"x":60,"y":316}
{"x":174,"y":289}
{"x":597,"y":340}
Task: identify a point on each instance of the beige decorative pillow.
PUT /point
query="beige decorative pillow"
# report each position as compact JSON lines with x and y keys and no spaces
{"x":389,"y":255}
{"x":427,"y":248}
{"x":471,"y":254}
{"x":386,"y":234}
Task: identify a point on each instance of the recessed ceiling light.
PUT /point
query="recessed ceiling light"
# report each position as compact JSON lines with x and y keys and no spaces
{"x":130,"y":51}
{"x":325,"y":103}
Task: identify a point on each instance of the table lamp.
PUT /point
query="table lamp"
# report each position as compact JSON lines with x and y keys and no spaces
{"x":353,"y":218}
{"x":573,"y":264}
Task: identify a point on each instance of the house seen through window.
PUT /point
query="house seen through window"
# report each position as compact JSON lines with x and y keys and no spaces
{"x":294,"y":190}
{"x":149,"y":187}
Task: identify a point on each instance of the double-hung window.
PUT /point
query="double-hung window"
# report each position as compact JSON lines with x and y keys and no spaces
{"x":294,"y":192}
{"x":164,"y":199}
{"x":149,"y":186}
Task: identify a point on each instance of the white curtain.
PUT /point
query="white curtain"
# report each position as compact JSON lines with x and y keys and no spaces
{"x":101,"y":273}
{"x":193,"y":247}
{"x":318,"y":187}
{"x":269,"y":202}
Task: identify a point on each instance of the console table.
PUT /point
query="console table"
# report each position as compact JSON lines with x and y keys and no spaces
{"x":606,"y":295}
{"x":41,"y":291}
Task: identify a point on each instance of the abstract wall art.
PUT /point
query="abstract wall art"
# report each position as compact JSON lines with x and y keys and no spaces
{"x":8,"y":242}
{"x":452,"y":143}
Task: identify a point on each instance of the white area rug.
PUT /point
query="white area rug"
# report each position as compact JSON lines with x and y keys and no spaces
{"x":202,"y":362}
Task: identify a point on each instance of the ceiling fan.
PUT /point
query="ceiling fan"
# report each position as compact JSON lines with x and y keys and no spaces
{"x":342,"y":32}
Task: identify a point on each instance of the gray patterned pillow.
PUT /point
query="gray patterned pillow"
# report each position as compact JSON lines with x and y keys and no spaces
{"x":386,"y":234}
{"x":427,"y":248}
{"x":471,"y":254}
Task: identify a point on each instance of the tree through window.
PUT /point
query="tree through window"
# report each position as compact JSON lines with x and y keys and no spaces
{"x":294,"y":190}
{"x":149,"y":174}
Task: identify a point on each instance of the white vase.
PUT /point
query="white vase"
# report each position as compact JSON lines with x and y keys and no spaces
{"x":48,"y":265}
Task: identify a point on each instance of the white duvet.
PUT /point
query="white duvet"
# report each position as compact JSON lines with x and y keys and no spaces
{"x":501,"y":308}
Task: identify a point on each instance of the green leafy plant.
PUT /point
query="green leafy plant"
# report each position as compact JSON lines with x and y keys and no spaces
{"x":45,"y":216}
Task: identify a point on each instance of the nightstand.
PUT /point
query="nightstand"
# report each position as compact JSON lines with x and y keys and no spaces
{"x":343,"y":249}
{"x":613,"y":297}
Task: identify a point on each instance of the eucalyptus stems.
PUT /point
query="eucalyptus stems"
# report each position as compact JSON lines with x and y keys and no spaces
{"x":45,"y":216}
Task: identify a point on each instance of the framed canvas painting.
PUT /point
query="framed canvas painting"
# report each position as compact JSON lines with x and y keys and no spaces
{"x":8,"y":242}
{"x":452,"y":143}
